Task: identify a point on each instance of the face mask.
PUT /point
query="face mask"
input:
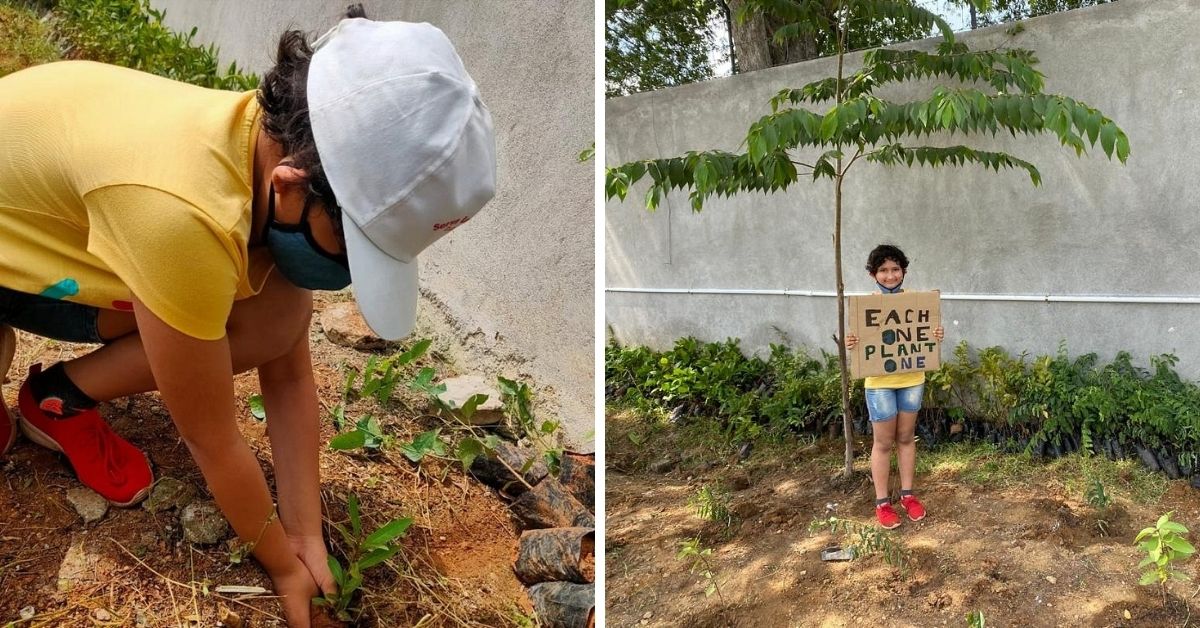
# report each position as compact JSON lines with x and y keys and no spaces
{"x":886,"y":290}
{"x":298,"y":256}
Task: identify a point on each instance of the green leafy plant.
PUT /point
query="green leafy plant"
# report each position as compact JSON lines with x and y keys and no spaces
{"x":131,"y":33}
{"x":361,"y":553}
{"x":381,"y":376}
{"x":367,"y":434}
{"x":860,"y":126}
{"x":1164,"y":546}
{"x":698,"y":556}
{"x":428,"y":443}
{"x":518,"y":405}
{"x":1096,"y":495}
{"x":712,"y":505}
{"x":866,"y":540}
{"x":257,"y":410}
{"x":975,"y":620}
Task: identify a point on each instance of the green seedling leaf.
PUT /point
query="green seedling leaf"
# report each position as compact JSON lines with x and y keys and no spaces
{"x":414,"y":353}
{"x":349,"y":440}
{"x":338,"y":413}
{"x":256,"y":407}
{"x":472,"y":403}
{"x":468,"y":450}
{"x":384,"y":535}
{"x":355,"y":519}
{"x":335,"y":567}
{"x":426,"y":443}
{"x":377,"y":556}
{"x":491,"y":442}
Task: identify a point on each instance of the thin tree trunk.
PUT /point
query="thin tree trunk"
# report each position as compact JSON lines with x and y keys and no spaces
{"x":847,"y":427}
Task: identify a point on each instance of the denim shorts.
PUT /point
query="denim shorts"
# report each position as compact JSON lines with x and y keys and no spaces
{"x":883,"y":403}
{"x":51,"y":318}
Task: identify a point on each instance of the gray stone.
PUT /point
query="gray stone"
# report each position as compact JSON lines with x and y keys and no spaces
{"x":460,"y":389}
{"x":344,"y":325}
{"x":664,"y":465}
{"x":169,"y":493}
{"x":81,"y":567}
{"x":203,"y":523}
{"x":89,"y":504}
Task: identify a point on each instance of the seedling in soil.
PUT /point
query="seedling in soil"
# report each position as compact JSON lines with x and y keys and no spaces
{"x":975,"y":620}
{"x":381,"y":376}
{"x":691,"y":550}
{"x":1164,"y":546}
{"x":427,"y":443}
{"x":362,"y":553}
{"x":367,"y":434}
{"x":1097,"y":496}
{"x":518,"y":401}
{"x":257,"y":410}
{"x":869,"y":539}
{"x":712,"y":505}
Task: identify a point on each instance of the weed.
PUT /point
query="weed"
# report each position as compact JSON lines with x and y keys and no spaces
{"x":367,"y":434}
{"x":1164,"y":546}
{"x":131,"y":33}
{"x":698,"y":555}
{"x":24,"y":40}
{"x":362,"y":553}
{"x":868,"y":539}
{"x":712,"y":505}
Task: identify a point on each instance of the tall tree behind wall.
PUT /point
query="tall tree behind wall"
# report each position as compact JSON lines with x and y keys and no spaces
{"x":652,"y":44}
{"x":1014,"y":10}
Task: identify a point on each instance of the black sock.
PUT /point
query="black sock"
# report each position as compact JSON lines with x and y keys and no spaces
{"x":881,"y":501}
{"x":905,"y":492}
{"x":66,"y":399}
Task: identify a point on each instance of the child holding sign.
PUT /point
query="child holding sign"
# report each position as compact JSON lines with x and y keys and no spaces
{"x":892,"y":404}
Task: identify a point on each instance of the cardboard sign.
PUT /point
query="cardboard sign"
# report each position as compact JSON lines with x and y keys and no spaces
{"x":895,"y":333}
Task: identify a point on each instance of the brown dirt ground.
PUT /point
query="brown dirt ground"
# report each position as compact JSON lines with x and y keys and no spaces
{"x":1028,"y":553}
{"x":455,"y":568}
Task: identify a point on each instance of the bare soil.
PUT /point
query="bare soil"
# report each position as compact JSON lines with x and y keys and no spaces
{"x":455,"y":568}
{"x":1024,"y":549}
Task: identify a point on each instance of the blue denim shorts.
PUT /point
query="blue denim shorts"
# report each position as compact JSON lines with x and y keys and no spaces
{"x":883,"y":403}
{"x":51,"y":318}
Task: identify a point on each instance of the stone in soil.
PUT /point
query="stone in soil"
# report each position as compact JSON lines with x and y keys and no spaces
{"x":169,"y":493}
{"x":664,"y":465}
{"x":345,"y":326}
{"x":460,"y":389}
{"x":89,"y":504}
{"x":81,"y":567}
{"x":203,"y":523}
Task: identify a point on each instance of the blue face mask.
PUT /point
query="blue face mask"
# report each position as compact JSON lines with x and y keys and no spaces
{"x":298,"y":256}
{"x":886,"y":290}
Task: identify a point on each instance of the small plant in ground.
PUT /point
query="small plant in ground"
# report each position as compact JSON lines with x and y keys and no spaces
{"x":975,"y":620}
{"x":257,"y":410}
{"x":367,"y":434}
{"x":691,"y":550}
{"x":1164,"y":546}
{"x":381,"y":376}
{"x":518,"y":405}
{"x":362,"y":553}
{"x":1096,"y":495}
{"x":868,"y":539}
{"x":712,"y":505}
{"x":428,"y":443}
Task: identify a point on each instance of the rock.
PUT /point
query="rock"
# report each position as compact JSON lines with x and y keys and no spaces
{"x":169,"y":493}
{"x":344,"y":325}
{"x":203,"y":523}
{"x":230,"y":619}
{"x":745,"y":450}
{"x":460,"y":389}
{"x":664,"y":465}
{"x":82,"y":568}
{"x":89,"y":504}
{"x":1051,"y":579}
{"x":102,"y":615}
{"x":28,"y":612}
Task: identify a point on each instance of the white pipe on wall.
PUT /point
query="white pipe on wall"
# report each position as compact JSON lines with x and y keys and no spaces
{"x":1046,"y":298}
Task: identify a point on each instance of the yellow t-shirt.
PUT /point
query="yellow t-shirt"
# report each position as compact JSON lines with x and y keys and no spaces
{"x":115,"y":183}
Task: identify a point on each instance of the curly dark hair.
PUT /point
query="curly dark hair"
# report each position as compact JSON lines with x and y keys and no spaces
{"x":883,"y":253}
{"x":283,"y":96}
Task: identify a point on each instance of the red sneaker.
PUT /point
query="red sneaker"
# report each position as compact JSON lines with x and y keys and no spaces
{"x":913,"y":506}
{"x":103,"y":461}
{"x":888,"y":519}
{"x":8,"y":423}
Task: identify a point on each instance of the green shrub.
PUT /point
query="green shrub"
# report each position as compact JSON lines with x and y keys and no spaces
{"x":130,"y":33}
{"x":24,"y":40}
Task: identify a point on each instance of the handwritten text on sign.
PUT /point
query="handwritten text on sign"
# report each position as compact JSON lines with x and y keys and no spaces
{"x":895,"y":333}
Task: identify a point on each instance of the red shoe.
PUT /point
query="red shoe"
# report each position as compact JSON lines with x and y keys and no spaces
{"x":888,"y":519}
{"x":8,"y":423}
{"x":913,"y":506}
{"x":103,"y":461}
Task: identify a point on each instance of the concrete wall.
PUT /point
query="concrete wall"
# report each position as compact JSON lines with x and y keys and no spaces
{"x":1093,"y":228}
{"x":518,"y":279}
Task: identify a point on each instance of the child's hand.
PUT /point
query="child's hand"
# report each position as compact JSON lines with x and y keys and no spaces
{"x":296,"y":589}
{"x":311,"y":551}
{"x":851,"y":341}
{"x":939,"y":333}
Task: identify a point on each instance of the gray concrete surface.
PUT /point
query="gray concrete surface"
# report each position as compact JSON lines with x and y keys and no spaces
{"x":518,"y":280}
{"x":1095,"y":227}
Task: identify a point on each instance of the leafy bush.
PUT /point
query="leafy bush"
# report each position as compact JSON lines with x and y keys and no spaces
{"x":24,"y":40}
{"x":130,"y":33}
{"x":1164,"y":546}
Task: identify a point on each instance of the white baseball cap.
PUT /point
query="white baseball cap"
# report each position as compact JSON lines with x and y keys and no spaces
{"x":407,"y":146}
